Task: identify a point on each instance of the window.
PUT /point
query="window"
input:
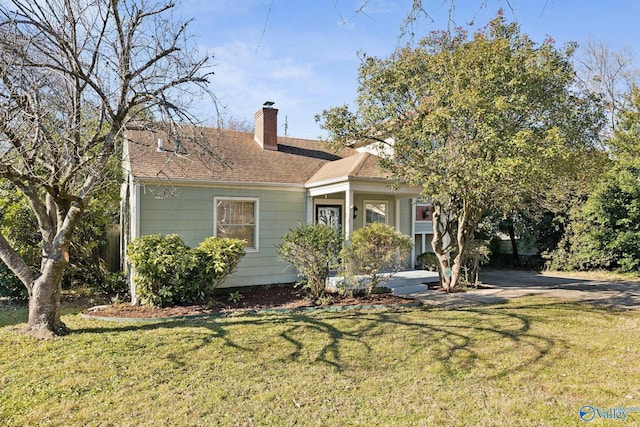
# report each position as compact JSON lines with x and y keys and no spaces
{"x":375,"y":212}
{"x":423,"y":213}
{"x":330,"y":215}
{"x":236,"y":218}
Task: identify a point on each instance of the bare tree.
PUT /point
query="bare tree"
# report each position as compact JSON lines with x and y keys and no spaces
{"x":73,"y":75}
{"x":234,"y":123}
{"x":610,"y":75}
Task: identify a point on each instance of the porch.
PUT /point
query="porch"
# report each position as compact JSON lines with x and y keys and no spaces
{"x":405,"y":282}
{"x":346,"y":194}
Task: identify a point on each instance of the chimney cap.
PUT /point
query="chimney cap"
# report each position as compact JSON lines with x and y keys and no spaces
{"x":268,"y":104}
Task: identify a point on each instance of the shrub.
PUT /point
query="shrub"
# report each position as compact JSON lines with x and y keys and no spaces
{"x":159,"y":264}
{"x":476,"y":254}
{"x":168,"y":272}
{"x":221,"y":257}
{"x":378,"y":251}
{"x":427,"y":261}
{"x":604,"y":231}
{"x":313,"y":250}
{"x":10,"y":285}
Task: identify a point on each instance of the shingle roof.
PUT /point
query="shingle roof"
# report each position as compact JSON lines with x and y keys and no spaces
{"x":296,"y":161}
{"x":363,"y":165}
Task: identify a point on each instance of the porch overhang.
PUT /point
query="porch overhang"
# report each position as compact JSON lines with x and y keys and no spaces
{"x":350,"y":187}
{"x":361,"y":185}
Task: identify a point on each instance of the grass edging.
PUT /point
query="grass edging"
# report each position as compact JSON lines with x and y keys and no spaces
{"x":236,"y":313}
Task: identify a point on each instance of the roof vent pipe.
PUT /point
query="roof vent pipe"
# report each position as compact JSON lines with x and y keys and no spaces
{"x":160,"y":148}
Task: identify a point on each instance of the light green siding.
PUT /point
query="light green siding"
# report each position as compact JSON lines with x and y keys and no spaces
{"x":424,"y":227}
{"x":405,"y":216}
{"x":189,"y":213}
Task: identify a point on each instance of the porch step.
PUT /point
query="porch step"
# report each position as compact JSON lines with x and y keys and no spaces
{"x":402,"y":283}
{"x":409,"y":289}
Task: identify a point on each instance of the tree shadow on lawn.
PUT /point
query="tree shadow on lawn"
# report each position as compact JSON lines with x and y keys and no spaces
{"x":493,"y":341}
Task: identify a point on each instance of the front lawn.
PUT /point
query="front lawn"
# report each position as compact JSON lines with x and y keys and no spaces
{"x":534,"y":361}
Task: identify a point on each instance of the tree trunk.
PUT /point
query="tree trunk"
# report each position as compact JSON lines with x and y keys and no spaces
{"x":44,"y":310}
{"x":440,"y":247}
{"x":466,"y":219}
{"x":44,"y":302}
{"x":456,"y":267}
{"x":514,"y":243}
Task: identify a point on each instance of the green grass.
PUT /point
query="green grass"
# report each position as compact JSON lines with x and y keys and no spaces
{"x":529,"y":362}
{"x":599,"y":275}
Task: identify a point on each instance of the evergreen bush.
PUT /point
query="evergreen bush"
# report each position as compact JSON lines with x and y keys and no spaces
{"x":168,"y":272}
{"x":427,"y":261}
{"x":313,"y":250}
{"x":10,"y":286}
{"x":377,"y":251}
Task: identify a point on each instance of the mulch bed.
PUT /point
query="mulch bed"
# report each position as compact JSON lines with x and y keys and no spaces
{"x":253,"y":299}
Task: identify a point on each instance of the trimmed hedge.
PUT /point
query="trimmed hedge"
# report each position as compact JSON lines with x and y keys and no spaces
{"x":168,"y":272}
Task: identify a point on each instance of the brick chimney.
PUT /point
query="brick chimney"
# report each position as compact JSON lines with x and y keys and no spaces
{"x":267,"y":127}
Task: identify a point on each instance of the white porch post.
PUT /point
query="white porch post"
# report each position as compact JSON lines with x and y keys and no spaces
{"x":310,"y":209}
{"x":412,"y":207}
{"x":134,"y":207}
{"x":348,"y":214}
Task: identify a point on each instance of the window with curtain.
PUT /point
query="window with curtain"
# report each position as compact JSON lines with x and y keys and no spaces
{"x":237,"y":218}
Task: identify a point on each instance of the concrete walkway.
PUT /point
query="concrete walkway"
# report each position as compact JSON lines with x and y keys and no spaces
{"x":502,"y":285}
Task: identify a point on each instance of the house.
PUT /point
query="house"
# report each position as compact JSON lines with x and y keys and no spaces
{"x":270,"y":184}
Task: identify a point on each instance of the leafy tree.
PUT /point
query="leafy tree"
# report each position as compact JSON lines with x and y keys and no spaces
{"x":377,"y":251}
{"x":18,"y":223}
{"x":625,"y":144}
{"x":604,"y":231}
{"x":481,"y":122}
{"x":74,"y":76}
{"x":313,"y":250}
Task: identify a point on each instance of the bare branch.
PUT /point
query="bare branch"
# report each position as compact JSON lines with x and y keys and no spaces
{"x":73,"y":74}
{"x":11,"y":258}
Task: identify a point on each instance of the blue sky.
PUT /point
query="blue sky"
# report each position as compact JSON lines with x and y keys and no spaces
{"x":302,"y":54}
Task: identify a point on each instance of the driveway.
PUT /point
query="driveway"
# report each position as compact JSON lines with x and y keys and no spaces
{"x":502,"y":285}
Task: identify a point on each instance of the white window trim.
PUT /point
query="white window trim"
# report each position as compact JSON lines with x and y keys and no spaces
{"x":377,"y":202}
{"x":256,"y":217}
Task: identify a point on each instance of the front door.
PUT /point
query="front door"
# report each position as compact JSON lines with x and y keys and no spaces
{"x":330,"y":215}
